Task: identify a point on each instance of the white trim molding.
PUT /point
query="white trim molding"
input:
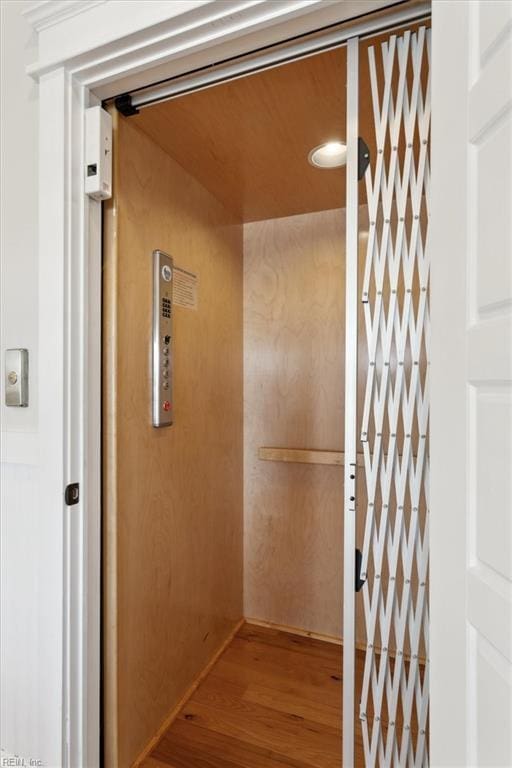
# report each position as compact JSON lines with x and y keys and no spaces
{"x":46,"y":13}
{"x":162,"y":39}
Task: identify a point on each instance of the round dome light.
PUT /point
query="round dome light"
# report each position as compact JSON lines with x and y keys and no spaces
{"x":332,"y":154}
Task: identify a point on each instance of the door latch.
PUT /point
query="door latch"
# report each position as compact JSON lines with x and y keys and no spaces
{"x":363,"y":158}
{"x":359,"y":582}
{"x":72,"y":494}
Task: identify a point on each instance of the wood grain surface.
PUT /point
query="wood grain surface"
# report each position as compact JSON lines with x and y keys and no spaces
{"x":272,"y":700}
{"x":294,"y":341}
{"x":173,"y":497}
{"x":248,"y":140}
{"x":302,"y":456}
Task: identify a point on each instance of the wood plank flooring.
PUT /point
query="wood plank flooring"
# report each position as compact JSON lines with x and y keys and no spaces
{"x":273,"y":699}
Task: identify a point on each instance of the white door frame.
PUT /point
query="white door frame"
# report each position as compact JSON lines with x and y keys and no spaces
{"x":90,"y":51}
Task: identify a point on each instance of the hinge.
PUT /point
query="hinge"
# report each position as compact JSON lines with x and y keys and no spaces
{"x":358,"y":580}
{"x":72,"y":494}
{"x":124,"y":105}
{"x":363,"y":158}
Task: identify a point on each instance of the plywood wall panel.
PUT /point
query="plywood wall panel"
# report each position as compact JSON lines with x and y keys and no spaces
{"x":173,"y":497}
{"x":294,"y":342}
{"x":293,"y":397}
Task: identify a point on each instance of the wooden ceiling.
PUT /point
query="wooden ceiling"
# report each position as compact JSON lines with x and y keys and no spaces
{"x":247,"y":141}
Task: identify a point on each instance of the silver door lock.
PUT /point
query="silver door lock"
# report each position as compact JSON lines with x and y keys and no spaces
{"x":16,"y":377}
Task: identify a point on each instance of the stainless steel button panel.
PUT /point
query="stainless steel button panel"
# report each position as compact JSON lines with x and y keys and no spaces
{"x":162,"y":339}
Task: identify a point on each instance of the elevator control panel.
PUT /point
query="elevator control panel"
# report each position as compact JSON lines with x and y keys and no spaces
{"x":162,"y":339}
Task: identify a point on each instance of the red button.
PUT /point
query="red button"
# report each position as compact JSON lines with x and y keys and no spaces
{"x":166,"y":405}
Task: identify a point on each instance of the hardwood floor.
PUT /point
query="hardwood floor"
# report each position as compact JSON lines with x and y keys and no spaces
{"x":273,"y":699}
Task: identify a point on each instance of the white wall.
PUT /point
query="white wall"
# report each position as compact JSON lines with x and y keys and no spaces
{"x":19,"y":126}
{"x":23,"y":723}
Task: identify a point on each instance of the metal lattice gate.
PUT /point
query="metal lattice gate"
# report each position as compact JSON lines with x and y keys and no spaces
{"x":394,"y":694}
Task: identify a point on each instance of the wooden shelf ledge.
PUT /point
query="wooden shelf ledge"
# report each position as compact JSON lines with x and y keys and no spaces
{"x":310,"y":456}
{"x":302,"y":456}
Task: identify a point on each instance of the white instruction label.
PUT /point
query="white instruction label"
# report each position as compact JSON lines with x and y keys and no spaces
{"x":185,"y":288}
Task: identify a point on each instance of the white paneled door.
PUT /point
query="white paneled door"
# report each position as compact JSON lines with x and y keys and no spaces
{"x":471,"y":397}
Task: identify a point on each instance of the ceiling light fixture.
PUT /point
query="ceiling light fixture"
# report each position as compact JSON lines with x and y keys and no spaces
{"x":332,"y":154}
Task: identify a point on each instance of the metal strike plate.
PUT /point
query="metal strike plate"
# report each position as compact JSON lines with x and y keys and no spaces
{"x":16,"y":378}
{"x":162,"y":339}
{"x":351,"y":486}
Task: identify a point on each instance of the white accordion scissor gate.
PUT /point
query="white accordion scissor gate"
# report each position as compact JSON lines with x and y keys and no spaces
{"x":393,"y":698}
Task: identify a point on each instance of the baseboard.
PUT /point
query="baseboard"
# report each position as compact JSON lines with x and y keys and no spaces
{"x":295,"y":631}
{"x":361,"y":647}
{"x":186,"y":696}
